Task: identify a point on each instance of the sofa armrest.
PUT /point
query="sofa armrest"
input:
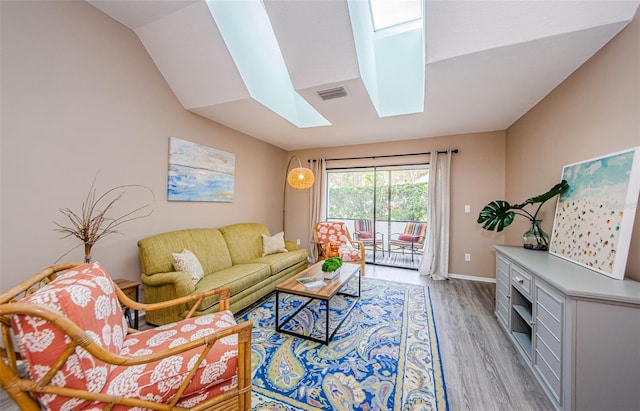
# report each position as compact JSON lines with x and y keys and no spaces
{"x":179,"y":280}
{"x":291,"y":245}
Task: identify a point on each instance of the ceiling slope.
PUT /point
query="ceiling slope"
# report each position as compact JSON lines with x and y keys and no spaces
{"x":487,"y":63}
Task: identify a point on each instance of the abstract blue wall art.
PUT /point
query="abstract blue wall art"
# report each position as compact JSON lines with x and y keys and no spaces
{"x":594,"y":218}
{"x":199,"y":173}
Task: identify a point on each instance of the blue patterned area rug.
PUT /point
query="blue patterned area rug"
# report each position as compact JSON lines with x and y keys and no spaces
{"x":385,"y":355}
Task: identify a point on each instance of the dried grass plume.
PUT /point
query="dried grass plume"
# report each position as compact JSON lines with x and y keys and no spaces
{"x":94,"y":221}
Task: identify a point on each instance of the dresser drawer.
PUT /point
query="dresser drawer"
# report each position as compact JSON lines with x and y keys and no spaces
{"x":521,"y":280}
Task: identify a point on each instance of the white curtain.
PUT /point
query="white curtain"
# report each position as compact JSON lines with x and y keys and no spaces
{"x":317,"y":210}
{"x":435,"y":257}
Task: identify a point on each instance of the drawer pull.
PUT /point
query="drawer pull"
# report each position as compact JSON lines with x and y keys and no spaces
{"x":519,"y":280}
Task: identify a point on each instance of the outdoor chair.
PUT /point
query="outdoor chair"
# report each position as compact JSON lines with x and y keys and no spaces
{"x":67,"y":345}
{"x":412,"y":238}
{"x":364,"y":232}
{"x":327,"y":232}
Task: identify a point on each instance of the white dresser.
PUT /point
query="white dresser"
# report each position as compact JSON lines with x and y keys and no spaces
{"x":578,"y":330}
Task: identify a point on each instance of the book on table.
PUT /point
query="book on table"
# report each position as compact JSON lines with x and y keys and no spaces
{"x":311,"y":282}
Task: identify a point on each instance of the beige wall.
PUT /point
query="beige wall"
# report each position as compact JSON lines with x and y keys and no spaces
{"x":477,"y":177}
{"x":80,"y":95}
{"x":595,"y":112}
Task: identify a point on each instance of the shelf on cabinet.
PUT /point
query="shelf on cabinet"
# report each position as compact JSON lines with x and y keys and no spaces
{"x":524,"y":313}
{"x":524,"y":340}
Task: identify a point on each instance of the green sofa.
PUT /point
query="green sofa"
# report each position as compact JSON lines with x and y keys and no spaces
{"x":230,"y":255}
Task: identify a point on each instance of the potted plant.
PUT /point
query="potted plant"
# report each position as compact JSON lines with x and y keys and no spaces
{"x":500,"y":214}
{"x":331,"y":267}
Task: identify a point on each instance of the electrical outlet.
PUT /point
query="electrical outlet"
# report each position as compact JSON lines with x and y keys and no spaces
{"x":297,"y":241}
{"x":467,"y":208}
{"x":467,"y":257}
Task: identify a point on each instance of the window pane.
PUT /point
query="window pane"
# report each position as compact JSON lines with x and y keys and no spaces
{"x":388,"y":13}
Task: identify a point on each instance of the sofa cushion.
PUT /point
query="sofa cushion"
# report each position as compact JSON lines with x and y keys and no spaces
{"x":280,"y":262}
{"x":188,"y":263}
{"x":238,"y":278}
{"x":86,"y":295}
{"x":160,"y":380}
{"x":244,"y":241}
{"x":206,"y":243}
{"x":273,"y":244}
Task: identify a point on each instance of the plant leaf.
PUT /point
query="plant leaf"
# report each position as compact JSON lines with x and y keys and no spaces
{"x":559,"y":188}
{"x":496,"y":216}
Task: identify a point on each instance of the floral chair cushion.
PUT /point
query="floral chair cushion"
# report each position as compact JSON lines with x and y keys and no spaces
{"x":158,"y":381}
{"x":86,"y":295}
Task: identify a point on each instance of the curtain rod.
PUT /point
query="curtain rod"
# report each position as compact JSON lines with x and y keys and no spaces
{"x":386,"y":156}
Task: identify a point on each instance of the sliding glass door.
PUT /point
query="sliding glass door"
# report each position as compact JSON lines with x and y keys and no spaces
{"x":385,"y":208}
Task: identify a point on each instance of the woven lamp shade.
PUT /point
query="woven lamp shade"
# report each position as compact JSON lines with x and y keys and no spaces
{"x":300,"y":178}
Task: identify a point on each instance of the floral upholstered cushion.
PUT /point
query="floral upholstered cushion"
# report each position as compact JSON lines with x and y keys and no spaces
{"x":86,"y":295}
{"x":349,"y":253}
{"x":159,"y":380}
{"x":332,"y":231}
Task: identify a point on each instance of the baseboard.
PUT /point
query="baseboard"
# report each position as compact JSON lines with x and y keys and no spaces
{"x":472,"y":278}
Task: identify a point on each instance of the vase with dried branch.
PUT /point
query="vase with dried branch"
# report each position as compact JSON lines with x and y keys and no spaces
{"x":95,"y":221}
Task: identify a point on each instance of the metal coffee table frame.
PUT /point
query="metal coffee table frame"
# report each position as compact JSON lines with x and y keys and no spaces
{"x":325,"y":293}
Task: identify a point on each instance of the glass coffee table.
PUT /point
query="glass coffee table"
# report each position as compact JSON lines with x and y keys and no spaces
{"x":349,"y":273}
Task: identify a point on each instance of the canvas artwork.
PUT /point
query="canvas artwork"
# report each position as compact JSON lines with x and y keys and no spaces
{"x":594,"y":218}
{"x":199,"y":173}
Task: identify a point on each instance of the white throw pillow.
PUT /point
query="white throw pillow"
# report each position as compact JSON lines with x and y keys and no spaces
{"x":272,"y":245}
{"x":188,"y":263}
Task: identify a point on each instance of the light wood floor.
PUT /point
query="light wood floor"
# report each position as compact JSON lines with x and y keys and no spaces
{"x":482,"y":370}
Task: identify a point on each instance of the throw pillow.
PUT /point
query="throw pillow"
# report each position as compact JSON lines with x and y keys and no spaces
{"x":272,"y":245}
{"x":365,"y":234}
{"x":188,"y":263}
{"x":407,"y":237}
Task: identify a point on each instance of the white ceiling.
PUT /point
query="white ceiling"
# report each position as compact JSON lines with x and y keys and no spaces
{"x":488,"y":63}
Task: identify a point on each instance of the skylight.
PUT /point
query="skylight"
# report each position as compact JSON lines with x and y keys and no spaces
{"x":392,"y":60}
{"x":247,"y":32}
{"x":387,"y":13}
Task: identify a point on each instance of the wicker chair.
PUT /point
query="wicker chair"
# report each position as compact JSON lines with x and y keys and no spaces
{"x":76,"y":350}
{"x":327,"y":232}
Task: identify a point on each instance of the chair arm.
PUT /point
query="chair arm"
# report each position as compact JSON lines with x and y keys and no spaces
{"x":223,"y":304}
{"x":78,"y":336}
{"x":360,"y":246}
